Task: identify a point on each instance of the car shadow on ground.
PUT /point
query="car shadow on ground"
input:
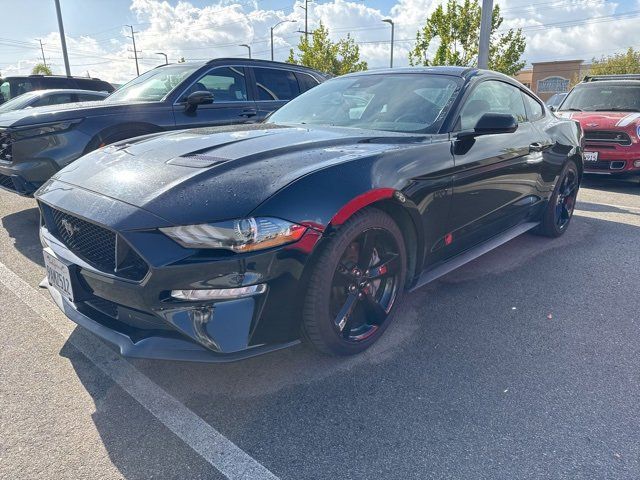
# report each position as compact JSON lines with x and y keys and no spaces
{"x":610,"y":184}
{"x":603,"y":208}
{"x":23,"y":227}
{"x":478,"y":368}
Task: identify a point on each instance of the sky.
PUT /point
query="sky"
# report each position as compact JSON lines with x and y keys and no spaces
{"x":96,"y":30}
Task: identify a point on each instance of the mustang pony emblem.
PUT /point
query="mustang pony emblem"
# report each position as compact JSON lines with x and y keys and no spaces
{"x":69,"y":227}
{"x":592,"y":125}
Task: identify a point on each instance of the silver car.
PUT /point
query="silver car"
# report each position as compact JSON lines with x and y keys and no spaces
{"x":41,"y":98}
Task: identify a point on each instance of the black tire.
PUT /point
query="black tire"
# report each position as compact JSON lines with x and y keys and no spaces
{"x":334,"y":275}
{"x":556,"y":217}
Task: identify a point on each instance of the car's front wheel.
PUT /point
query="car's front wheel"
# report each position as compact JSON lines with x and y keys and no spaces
{"x":356,"y":284}
{"x":559,"y":210}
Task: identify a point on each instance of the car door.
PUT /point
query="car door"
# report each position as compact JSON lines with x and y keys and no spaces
{"x":495,"y":175}
{"x":273,"y":88}
{"x":231,"y":99}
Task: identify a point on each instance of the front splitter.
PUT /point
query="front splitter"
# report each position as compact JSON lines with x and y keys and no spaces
{"x":156,"y":347}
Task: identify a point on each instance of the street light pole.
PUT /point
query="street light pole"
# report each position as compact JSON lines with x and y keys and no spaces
{"x":281,"y":21}
{"x":485,"y":33}
{"x":63,"y":41}
{"x":390,"y":22}
{"x":166,"y":59}
{"x":248,"y":48}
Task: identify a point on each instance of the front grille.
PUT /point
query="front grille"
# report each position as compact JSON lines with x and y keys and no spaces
{"x":6,"y":182}
{"x":604,"y":136}
{"x":95,"y":244}
{"x":98,"y":246}
{"x":6,"y":149}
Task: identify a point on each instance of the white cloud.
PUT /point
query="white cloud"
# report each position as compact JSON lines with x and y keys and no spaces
{"x":184,"y":30}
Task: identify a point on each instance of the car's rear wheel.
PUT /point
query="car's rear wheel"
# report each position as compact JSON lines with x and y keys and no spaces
{"x":559,"y":210}
{"x":356,"y":284}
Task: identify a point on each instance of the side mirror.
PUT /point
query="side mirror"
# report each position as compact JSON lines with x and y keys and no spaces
{"x":199,"y":98}
{"x":492,"y":124}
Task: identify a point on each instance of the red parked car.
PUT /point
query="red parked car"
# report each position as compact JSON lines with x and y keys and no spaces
{"x":608,"y":108}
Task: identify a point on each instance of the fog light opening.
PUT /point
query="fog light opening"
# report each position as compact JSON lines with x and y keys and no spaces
{"x":219,"y":293}
{"x":636,"y":163}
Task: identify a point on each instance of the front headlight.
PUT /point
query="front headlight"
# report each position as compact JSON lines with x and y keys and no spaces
{"x":45,"y":129}
{"x":244,"y":235}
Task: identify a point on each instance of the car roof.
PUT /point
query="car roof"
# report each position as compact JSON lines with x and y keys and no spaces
{"x":69,"y":90}
{"x":463,"y":72}
{"x":11,"y":77}
{"x":619,"y":82}
{"x":247,"y":61}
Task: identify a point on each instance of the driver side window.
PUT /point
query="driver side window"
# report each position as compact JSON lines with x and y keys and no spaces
{"x":492,"y":96}
{"x":227,"y":84}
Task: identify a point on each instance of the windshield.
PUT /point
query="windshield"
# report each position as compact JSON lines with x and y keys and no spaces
{"x":153,"y":85}
{"x":18,"y":103}
{"x":597,"y":96}
{"x":408,"y":103}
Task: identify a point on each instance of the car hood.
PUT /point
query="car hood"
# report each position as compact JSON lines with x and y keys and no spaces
{"x":205,"y":175}
{"x":603,"y":120}
{"x":67,"y":111}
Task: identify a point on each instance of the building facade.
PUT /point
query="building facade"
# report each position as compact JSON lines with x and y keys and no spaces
{"x":548,"y":78}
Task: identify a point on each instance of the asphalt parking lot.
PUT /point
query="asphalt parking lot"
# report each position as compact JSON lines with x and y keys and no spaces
{"x":522,"y":364}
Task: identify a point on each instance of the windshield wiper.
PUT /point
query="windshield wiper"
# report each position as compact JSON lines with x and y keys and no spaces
{"x":572,"y":110}
{"x":616,"y":110}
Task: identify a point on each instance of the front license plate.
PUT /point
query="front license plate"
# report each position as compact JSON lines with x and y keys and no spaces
{"x":590,"y":156}
{"x":58,"y":275}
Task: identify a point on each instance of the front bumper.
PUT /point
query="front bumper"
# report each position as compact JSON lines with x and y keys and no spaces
{"x":24,"y":178}
{"x":614,"y":160}
{"x":157,"y":347}
{"x":144,"y":321}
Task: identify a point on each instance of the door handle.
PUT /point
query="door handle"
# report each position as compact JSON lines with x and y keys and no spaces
{"x":536,"y":147}
{"x":249,"y":113}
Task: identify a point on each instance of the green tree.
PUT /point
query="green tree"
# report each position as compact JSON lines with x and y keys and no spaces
{"x":456,"y":26}
{"x":628,"y":62}
{"x":322,"y":54}
{"x":41,"y":69}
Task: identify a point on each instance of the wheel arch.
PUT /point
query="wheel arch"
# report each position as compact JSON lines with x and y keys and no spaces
{"x":118,"y":132}
{"x":401,"y":210}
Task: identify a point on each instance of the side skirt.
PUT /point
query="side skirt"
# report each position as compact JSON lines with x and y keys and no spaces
{"x":447,"y":266}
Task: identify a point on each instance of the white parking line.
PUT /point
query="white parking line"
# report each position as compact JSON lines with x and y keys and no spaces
{"x":205,"y":440}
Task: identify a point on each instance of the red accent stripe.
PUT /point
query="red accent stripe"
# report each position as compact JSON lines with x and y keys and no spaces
{"x":359,"y":203}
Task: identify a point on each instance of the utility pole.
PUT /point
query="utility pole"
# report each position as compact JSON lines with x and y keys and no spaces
{"x":306,"y":19}
{"x":63,"y":40}
{"x":135,"y":52}
{"x":44,"y":60}
{"x":485,"y":33}
{"x":390,"y":22}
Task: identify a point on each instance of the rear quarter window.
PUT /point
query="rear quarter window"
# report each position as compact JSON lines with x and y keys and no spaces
{"x":306,"y":81}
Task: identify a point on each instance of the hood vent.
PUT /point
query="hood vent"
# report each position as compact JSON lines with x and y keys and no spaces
{"x":197,"y":160}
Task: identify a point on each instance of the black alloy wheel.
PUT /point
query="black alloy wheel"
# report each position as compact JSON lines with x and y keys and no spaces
{"x":356,"y":283}
{"x":559,"y":210}
{"x":566,"y":200}
{"x":365,"y":285}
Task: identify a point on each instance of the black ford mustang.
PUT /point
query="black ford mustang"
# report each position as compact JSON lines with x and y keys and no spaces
{"x":218,"y":244}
